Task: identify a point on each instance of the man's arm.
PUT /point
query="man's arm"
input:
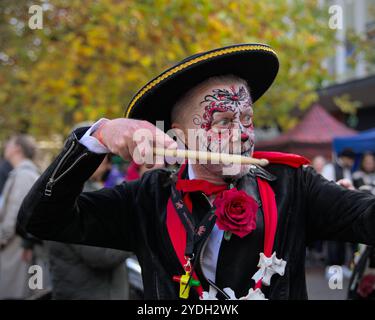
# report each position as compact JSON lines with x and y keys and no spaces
{"x":335,"y":213}
{"x":55,"y":208}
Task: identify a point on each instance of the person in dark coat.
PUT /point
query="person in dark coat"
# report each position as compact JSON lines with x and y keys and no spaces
{"x":5,"y":169}
{"x":223,"y":230}
{"x":80,"y":272}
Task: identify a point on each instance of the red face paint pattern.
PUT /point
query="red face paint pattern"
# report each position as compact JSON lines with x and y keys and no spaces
{"x":223,"y":100}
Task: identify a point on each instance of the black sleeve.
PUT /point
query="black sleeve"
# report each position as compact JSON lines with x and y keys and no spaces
{"x":335,"y":213}
{"x":56,"y":209}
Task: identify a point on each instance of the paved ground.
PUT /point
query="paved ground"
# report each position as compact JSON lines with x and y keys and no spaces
{"x":317,"y":286}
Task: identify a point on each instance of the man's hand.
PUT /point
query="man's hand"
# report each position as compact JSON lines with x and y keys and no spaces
{"x":118,"y":136}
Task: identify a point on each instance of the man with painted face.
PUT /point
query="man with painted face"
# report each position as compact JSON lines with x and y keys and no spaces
{"x":203,"y":232}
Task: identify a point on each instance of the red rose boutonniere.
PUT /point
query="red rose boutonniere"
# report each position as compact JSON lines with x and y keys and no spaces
{"x":236,"y":212}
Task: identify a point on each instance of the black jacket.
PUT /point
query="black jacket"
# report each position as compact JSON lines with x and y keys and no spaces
{"x":131,"y":217}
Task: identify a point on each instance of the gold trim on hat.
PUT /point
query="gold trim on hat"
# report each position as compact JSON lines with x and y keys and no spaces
{"x":191,"y":62}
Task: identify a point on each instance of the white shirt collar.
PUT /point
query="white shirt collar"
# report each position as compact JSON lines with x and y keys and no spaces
{"x":191,"y":172}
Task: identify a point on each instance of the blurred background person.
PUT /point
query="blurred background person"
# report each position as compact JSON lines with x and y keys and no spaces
{"x":341,"y":168}
{"x":362,"y":281}
{"x":364,"y":178}
{"x":115,"y":174}
{"x":88,"y":273}
{"x":318,"y":163}
{"x":5,"y":169}
{"x":19,"y":151}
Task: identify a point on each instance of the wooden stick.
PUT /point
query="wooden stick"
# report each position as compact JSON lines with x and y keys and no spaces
{"x":209,"y":156}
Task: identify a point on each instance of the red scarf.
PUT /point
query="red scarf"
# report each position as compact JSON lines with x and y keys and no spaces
{"x":177,"y":231}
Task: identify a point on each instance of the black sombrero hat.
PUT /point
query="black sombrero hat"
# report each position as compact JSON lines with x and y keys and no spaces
{"x":255,"y":63}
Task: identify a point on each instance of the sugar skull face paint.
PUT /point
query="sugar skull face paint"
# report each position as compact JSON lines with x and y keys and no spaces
{"x":227,"y":113}
{"x":223,"y":100}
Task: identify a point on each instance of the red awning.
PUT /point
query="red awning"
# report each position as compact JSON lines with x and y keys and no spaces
{"x":312,"y":136}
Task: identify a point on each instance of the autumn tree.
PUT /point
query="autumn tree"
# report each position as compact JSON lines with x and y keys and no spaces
{"x":92,"y":56}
